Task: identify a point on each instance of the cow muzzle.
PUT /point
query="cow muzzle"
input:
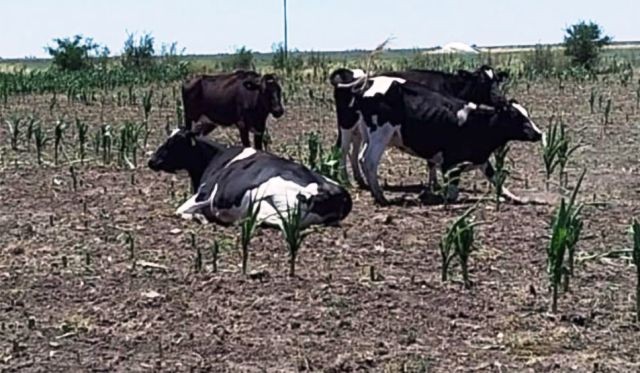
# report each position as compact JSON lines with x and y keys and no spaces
{"x":153,"y":164}
{"x":278,"y":112}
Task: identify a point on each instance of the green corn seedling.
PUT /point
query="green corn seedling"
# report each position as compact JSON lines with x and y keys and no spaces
{"x":564,"y":151}
{"x":565,"y":233}
{"x":81,"y":130}
{"x":14,"y":125}
{"x":458,"y":241}
{"x":58,"y":132}
{"x":635,"y":230}
{"x":106,"y":141}
{"x":607,"y":112}
{"x":314,"y":149}
{"x":247,"y":229}
{"x":74,"y":178}
{"x":41,"y":140}
{"x":147,"y":106}
{"x":31,"y":125}
{"x":198,"y":258}
{"x":215,"y":250}
{"x":291,"y":227}
{"x":501,"y":172}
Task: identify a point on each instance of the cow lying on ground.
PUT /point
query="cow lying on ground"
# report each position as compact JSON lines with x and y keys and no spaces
{"x":444,"y":130}
{"x":243,"y":98}
{"x":481,"y":87}
{"x":226,"y":179}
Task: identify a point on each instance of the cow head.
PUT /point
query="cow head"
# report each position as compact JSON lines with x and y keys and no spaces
{"x":515,"y":124}
{"x":175,"y":153}
{"x":345,"y":76}
{"x":483,"y":85}
{"x":270,"y":92}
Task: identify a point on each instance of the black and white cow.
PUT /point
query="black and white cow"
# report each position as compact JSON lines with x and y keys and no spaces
{"x":226,"y":179}
{"x":481,"y":87}
{"x":441,"y":129}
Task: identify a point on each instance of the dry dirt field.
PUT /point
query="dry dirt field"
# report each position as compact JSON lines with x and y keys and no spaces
{"x":73,"y":297}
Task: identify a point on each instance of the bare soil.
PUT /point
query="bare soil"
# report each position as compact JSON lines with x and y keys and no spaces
{"x":368,"y":296}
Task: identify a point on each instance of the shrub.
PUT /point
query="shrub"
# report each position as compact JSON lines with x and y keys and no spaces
{"x":242,"y":59}
{"x":583,"y":42}
{"x":73,"y":54}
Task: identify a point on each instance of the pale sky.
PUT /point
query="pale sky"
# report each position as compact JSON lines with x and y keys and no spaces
{"x":217,"y":26}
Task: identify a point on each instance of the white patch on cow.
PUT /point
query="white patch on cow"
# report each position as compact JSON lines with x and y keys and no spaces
{"x":357,"y":73}
{"x":463,"y":113}
{"x":174,"y":132}
{"x":278,"y":194}
{"x":372,"y":153}
{"x":489,"y":73}
{"x":381,"y":85}
{"x":245,"y":153}
{"x":524,"y":112}
{"x":187,"y":212}
{"x":275,"y":194}
{"x":521,"y":109}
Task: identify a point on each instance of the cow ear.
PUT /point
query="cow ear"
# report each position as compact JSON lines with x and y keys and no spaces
{"x":251,"y":85}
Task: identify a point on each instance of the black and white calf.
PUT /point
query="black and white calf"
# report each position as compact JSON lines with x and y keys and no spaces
{"x":481,"y":87}
{"x":444,"y":130}
{"x":226,"y":179}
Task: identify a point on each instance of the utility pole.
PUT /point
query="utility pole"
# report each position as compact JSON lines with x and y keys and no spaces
{"x":286,"y":49}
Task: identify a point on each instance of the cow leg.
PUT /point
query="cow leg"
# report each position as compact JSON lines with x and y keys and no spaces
{"x":344,"y":143}
{"x":356,"y":142}
{"x":432,"y":183}
{"x":489,"y":172}
{"x":257,"y":140}
{"x":244,"y":137}
{"x":370,"y":159}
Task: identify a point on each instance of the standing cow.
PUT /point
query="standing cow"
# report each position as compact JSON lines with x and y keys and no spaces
{"x":481,"y":86}
{"x":243,"y":98}
{"x":444,"y":130}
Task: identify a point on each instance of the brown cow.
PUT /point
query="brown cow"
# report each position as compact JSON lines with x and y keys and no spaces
{"x":243,"y":98}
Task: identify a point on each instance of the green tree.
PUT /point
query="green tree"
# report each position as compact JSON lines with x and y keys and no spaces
{"x":583,"y":42}
{"x":75,"y":53}
{"x":138,"y":54}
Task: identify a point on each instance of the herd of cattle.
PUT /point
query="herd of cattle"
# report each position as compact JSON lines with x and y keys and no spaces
{"x":454,"y":121}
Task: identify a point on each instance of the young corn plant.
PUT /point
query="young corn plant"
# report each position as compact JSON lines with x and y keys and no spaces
{"x":635,"y":231}
{"x":41,"y":140}
{"x":459,"y":241}
{"x":247,"y":230}
{"x":501,"y":172}
{"x":556,"y":151}
{"x":325,"y":163}
{"x":128,"y":149}
{"x":147,"y":106}
{"x":291,"y":227}
{"x":592,"y":100}
{"x":81,"y":130}
{"x":106,"y":142}
{"x":607,"y":113}
{"x":565,"y":233}
{"x":14,"y":125}
{"x":58,"y":139}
